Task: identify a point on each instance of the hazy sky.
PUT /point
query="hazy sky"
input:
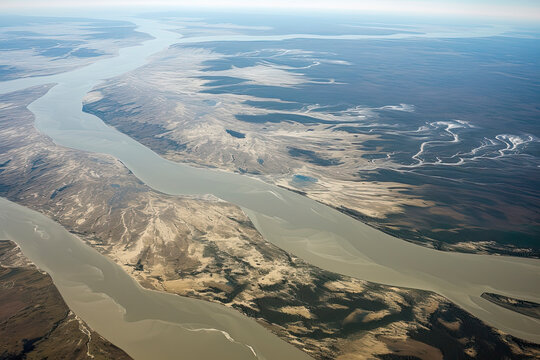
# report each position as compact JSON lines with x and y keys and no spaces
{"x":511,"y":9}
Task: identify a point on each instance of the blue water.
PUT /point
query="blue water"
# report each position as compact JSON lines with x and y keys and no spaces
{"x":304,"y":180}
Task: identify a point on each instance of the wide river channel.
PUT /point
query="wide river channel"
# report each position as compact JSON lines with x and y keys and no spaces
{"x":312,"y":231}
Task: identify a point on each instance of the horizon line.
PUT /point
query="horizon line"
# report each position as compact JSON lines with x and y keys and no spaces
{"x":384,"y":7}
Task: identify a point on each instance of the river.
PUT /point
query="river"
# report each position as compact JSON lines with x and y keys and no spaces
{"x":146,"y":324}
{"x":317,"y":233}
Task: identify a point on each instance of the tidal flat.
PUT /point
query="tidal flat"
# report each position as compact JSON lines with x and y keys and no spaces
{"x":53,"y":187}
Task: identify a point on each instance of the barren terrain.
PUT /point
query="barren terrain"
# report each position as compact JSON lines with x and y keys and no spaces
{"x":205,"y":248}
{"x":191,"y":108}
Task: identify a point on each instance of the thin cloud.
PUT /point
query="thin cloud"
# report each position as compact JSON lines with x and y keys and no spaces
{"x":517,"y":9}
